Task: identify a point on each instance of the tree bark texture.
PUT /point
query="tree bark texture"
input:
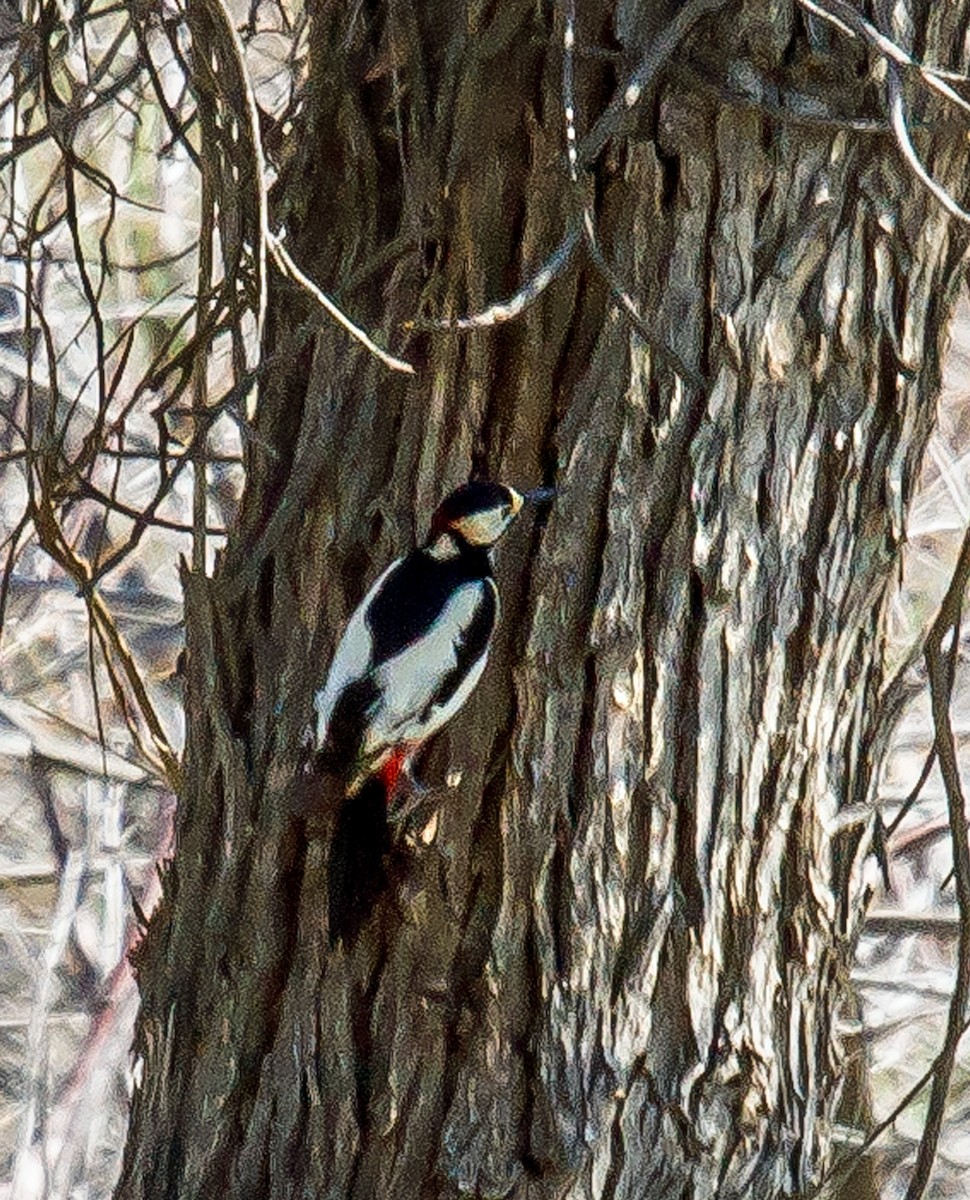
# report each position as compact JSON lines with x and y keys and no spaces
{"x":616,"y":966}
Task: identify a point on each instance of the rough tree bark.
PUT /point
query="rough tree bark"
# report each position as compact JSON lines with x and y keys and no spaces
{"x":618,"y":966}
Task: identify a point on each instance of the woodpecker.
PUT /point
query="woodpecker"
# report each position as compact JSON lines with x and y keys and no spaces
{"x":408,"y":659}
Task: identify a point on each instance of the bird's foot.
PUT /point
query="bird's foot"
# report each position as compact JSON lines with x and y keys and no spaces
{"x":413,"y":782}
{"x":409,"y":801}
{"x":413,"y":811}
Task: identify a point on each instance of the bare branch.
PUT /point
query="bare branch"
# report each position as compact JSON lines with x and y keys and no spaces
{"x":139,"y":515}
{"x":629,"y":308}
{"x":778,"y":102}
{"x":588,"y":223}
{"x":914,"y":795}
{"x":221,"y":15}
{"x":12,"y":544}
{"x":178,"y":128}
{"x":846,"y":1165}
{"x":897,"y":114}
{"x":52,"y":540}
{"x":290,"y":270}
{"x":507,"y":310}
{"x":628,"y":96}
{"x":121,"y":700}
{"x":947,"y":624}
{"x":96,"y":698}
{"x":851,"y":22}
{"x":200,"y":377}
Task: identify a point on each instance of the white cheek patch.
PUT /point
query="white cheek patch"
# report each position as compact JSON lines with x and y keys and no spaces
{"x":482,"y":529}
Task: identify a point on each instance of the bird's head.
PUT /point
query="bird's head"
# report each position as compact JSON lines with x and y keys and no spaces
{"x":478,"y":513}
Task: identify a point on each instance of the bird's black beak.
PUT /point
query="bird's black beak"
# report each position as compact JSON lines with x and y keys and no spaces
{"x":542,"y":495}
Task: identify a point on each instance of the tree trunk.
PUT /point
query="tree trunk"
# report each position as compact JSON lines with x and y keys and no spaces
{"x":616,"y":965}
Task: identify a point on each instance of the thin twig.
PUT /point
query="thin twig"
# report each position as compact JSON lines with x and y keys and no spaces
{"x":122,"y":653}
{"x":52,"y":541}
{"x":627,"y":97}
{"x":507,"y":310}
{"x":851,"y":22}
{"x":96,"y":698}
{"x":897,"y":115}
{"x":12,"y":542}
{"x":177,"y":128}
{"x":147,"y":454}
{"x":290,"y":270}
{"x":621,"y":294}
{"x":628,"y":307}
{"x":200,"y":373}
{"x":138,"y":515}
{"x":914,"y":795}
{"x":947,"y":624}
{"x":778,"y":102}
{"x":940,"y":1070}
{"x":220,"y":13}
{"x":121,"y":700}
{"x":845,"y":1166}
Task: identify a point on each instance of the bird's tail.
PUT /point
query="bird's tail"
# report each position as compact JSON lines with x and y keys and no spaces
{"x":357,"y":875}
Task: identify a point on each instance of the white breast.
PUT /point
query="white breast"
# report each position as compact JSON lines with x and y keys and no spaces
{"x":409,"y":680}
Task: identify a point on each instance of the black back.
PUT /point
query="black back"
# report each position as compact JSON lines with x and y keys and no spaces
{"x":413,"y":596}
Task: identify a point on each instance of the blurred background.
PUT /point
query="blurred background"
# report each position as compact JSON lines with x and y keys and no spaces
{"x":114,"y":316}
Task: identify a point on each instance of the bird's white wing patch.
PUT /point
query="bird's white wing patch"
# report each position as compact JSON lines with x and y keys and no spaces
{"x":418,"y":672}
{"x":352,"y":658}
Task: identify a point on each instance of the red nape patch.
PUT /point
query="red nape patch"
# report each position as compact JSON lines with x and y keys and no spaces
{"x":390,"y":772}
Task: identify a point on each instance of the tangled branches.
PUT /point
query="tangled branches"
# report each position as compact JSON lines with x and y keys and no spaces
{"x":134,"y":239}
